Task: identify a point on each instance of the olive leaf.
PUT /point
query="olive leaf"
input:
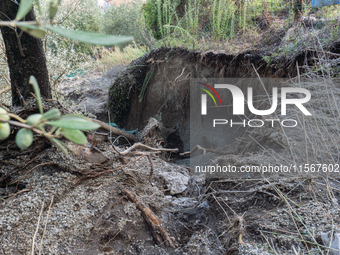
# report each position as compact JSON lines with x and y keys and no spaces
{"x":24,"y":8}
{"x":91,"y":38}
{"x":74,"y":122}
{"x":36,"y":89}
{"x":52,"y":114}
{"x":32,"y":30}
{"x":74,"y":135}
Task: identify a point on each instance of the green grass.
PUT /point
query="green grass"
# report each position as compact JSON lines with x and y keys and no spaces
{"x":114,"y":57}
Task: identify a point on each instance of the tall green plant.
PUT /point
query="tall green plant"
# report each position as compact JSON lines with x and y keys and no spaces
{"x":160,"y":15}
{"x":183,"y":22}
{"x":223,"y":19}
{"x":192,"y":10}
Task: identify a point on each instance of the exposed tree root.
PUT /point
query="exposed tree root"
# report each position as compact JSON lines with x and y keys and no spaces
{"x":140,"y":145}
{"x":158,"y":231}
{"x":115,"y":131}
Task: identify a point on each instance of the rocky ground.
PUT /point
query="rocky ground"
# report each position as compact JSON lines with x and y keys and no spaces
{"x":53,"y":203}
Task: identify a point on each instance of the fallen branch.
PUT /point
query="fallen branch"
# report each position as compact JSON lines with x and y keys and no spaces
{"x":114,"y":130}
{"x":157,"y":230}
{"x":140,"y":145}
{"x":198,"y":147}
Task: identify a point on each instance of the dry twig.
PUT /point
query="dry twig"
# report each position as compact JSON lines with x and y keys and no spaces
{"x":36,"y":230}
{"x":198,"y":147}
{"x":157,"y":230}
{"x":5,"y":90}
{"x":48,"y":214}
{"x":15,"y":194}
{"x":140,"y":145}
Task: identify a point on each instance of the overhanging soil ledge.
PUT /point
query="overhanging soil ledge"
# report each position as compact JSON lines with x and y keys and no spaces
{"x":157,"y":84}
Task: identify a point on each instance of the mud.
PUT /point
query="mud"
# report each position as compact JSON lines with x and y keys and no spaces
{"x":157,"y":85}
{"x":272,"y":214}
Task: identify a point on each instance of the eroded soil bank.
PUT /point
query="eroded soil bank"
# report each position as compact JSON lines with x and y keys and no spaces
{"x":157,"y":85}
{"x":91,"y":214}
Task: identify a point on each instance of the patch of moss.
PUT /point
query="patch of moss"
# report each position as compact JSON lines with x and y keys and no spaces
{"x":121,"y":90}
{"x":119,"y":100}
{"x":135,"y":77}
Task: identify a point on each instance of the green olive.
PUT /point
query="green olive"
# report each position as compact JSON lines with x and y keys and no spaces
{"x":24,"y":138}
{"x":5,"y":130}
{"x":3,"y":114}
{"x":34,"y":118}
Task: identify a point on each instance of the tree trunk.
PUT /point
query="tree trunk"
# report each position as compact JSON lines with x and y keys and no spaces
{"x":25,"y":56}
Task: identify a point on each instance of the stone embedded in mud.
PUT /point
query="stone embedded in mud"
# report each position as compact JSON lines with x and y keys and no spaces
{"x":332,"y":242}
{"x":176,"y":182}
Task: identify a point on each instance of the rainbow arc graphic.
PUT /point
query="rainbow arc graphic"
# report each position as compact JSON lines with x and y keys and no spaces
{"x":209,"y":93}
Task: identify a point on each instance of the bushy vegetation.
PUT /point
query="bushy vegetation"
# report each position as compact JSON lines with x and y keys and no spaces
{"x":65,"y":56}
{"x":82,"y":15}
{"x":192,"y":20}
{"x":126,"y":19}
{"x":194,"y":24}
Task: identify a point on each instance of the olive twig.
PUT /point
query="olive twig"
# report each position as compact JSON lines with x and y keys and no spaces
{"x":17,"y":118}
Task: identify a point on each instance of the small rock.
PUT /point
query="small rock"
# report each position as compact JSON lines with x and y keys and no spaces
{"x":335,"y":242}
{"x":176,"y":182}
{"x":203,"y":205}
